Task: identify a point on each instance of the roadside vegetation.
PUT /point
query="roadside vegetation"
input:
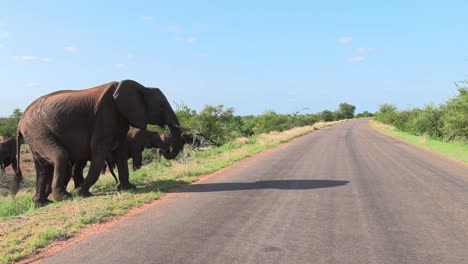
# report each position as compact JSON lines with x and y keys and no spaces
{"x":446,"y":122}
{"x":455,"y":150}
{"x":442,"y":128}
{"x":227,"y":138}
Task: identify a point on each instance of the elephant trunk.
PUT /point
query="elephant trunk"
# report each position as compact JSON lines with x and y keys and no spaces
{"x":176,"y":143}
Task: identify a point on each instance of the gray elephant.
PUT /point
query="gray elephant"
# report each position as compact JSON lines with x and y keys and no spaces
{"x":138,"y":140}
{"x":89,"y":124}
{"x":8,"y":154}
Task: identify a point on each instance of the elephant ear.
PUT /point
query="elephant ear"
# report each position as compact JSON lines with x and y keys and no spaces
{"x":129,"y":97}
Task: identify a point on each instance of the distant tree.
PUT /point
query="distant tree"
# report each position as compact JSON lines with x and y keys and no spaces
{"x":187,"y":116}
{"x":327,"y":116}
{"x":346,"y":111}
{"x":387,"y":108}
{"x":8,"y":125}
{"x":271,"y":121}
{"x":364,"y":114}
{"x":455,"y":115}
{"x":216,"y":123}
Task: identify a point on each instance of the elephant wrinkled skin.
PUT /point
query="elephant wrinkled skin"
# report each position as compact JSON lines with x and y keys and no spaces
{"x":89,"y":124}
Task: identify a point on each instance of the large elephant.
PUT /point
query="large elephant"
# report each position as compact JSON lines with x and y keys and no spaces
{"x":8,"y":154}
{"x":90,"y":124}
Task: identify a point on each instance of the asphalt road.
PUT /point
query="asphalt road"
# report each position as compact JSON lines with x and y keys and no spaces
{"x":344,"y":194}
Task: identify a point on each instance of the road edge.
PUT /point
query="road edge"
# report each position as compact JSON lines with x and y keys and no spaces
{"x":414,"y":145}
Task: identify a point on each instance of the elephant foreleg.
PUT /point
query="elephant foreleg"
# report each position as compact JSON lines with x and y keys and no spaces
{"x":121,"y":159}
{"x":77,"y":172}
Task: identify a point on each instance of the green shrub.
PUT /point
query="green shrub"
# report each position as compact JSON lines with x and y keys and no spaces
{"x":455,"y":116}
{"x":448,"y":121}
{"x":8,"y":125}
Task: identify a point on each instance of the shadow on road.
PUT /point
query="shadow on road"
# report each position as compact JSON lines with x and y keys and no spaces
{"x":260,"y":185}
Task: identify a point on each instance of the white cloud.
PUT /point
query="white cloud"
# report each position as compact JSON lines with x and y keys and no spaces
{"x":32,"y":84}
{"x":191,"y":40}
{"x":147,"y":18}
{"x":355,"y":59}
{"x":364,"y":50}
{"x":345,"y":40}
{"x":2,"y":47}
{"x":30,"y":58}
{"x":130,"y":56}
{"x":71,"y":49}
{"x":120,"y":65}
{"x":202,"y":55}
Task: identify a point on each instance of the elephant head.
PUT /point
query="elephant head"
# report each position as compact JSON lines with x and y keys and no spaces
{"x":142,"y":105}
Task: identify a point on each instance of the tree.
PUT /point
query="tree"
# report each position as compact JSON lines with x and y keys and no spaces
{"x":364,"y":114}
{"x":8,"y":125}
{"x":271,"y":121}
{"x":455,"y":115}
{"x":215,"y":122}
{"x":387,"y":108}
{"x":346,"y":111}
{"x":327,"y":116}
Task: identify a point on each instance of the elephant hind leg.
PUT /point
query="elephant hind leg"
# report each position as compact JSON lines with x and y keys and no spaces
{"x":60,"y":157}
{"x":44,"y":174}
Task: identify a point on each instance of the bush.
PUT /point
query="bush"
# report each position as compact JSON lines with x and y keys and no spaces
{"x":448,"y":121}
{"x":271,"y":121}
{"x":8,"y":125}
{"x":455,"y":116}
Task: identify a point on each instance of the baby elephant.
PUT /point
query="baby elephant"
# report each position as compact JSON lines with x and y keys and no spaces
{"x":8,"y":154}
{"x":137,"y":140}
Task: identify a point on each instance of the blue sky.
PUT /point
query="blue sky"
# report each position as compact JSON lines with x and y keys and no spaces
{"x":250,"y":55}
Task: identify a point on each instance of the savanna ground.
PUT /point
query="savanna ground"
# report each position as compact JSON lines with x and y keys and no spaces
{"x":26,"y":230}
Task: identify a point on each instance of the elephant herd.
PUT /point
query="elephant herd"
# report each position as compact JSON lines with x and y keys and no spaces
{"x":66,"y":129}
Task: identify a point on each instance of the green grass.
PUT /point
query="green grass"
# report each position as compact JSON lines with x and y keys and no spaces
{"x":454,"y":150}
{"x":24,"y":230}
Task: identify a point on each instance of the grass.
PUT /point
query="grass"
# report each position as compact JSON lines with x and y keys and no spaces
{"x":454,"y":150}
{"x":25,"y":230}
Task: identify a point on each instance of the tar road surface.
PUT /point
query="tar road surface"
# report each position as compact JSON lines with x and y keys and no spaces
{"x":344,"y":194}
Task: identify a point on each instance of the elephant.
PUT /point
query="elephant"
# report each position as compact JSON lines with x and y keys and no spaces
{"x":90,"y":124}
{"x":137,"y":140}
{"x":8,"y":154}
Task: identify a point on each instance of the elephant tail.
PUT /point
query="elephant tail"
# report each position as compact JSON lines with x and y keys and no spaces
{"x":18,"y":173}
{"x":111,"y":166}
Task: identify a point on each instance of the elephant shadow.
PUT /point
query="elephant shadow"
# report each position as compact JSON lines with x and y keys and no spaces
{"x":264,"y":185}
{"x":173,"y":186}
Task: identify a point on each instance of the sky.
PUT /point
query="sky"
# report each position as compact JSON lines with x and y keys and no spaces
{"x":285,"y":56}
